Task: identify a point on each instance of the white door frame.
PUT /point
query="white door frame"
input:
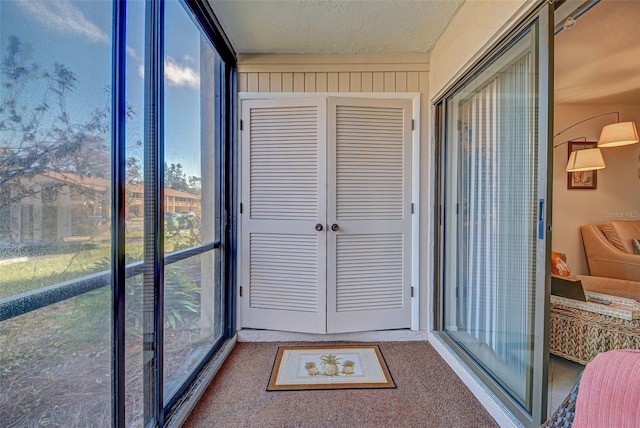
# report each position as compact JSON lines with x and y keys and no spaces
{"x":415,"y":180}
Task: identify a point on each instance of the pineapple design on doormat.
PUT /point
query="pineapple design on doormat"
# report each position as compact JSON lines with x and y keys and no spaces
{"x":330,"y":366}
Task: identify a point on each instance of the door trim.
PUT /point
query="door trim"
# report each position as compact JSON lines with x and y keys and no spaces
{"x":415,"y":183}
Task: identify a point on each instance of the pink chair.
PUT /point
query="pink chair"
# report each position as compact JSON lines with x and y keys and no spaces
{"x":607,"y":394}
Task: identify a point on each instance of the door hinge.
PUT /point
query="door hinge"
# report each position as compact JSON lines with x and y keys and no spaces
{"x":413,"y":124}
{"x":241,"y":208}
{"x":241,"y":125}
{"x":411,"y":291}
{"x":412,"y":208}
{"x":241,"y":291}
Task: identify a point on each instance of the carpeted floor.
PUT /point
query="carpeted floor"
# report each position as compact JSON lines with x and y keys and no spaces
{"x":429,"y":394}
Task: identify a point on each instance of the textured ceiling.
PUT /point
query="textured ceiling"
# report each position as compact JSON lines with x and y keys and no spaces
{"x":334,"y":26}
{"x":598,"y":60}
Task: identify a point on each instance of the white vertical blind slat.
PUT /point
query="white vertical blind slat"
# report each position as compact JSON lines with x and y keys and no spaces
{"x":497,"y":183}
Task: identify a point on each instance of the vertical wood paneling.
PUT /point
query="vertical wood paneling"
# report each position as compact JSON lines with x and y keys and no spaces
{"x":356,"y":82}
{"x":252,"y":82}
{"x":424,"y":81}
{"x":298,"y":82}
{"x":309,"y":82}
{"x":321,"y":82}
{"x":275,"y":82}
{"x":389,"y":81}
{"x":242,"y":82}
{"x":332,"y":82}
{"x":367,"y":82}
{"x":263,"y":82}
{"x":287,"y":82}
{"x":401,"y":81}
{"x":413,"y":81}
{"x":423,"y":86}
{"x":378,"y":82}
{"x":343,"y":82}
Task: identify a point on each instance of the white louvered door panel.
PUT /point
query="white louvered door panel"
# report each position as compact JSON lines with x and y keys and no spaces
{"x":369,"y":198}
{"x":283,"y":257}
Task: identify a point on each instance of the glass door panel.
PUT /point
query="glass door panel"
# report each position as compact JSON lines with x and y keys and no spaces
{"x":494,"y":189}
{"x":193,"y":296}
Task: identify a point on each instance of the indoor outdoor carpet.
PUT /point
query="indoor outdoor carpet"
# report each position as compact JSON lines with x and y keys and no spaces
{"x":334,"y":367}
{"x":428,"y":394}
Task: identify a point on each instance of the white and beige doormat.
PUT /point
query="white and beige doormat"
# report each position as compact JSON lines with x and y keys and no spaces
{"x":335,"y":367}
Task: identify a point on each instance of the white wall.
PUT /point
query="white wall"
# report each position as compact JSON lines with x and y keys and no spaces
{"x":477,"y":24}
{"x":618,"y":194}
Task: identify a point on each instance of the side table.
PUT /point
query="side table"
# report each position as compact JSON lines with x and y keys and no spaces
{"x":580,"y":330}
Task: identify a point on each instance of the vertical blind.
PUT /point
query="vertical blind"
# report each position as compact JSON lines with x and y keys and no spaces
{"x":496,"y":238}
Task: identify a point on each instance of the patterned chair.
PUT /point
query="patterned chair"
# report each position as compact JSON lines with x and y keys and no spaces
{"x":563,"y":416}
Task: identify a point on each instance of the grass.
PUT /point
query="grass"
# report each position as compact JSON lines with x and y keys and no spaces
{"x":49,"y":269}
{"x":42,"y":271}
{"x":55,"y":363}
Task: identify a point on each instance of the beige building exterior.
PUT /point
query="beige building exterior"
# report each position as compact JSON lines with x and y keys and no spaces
{"x":65,"y":207}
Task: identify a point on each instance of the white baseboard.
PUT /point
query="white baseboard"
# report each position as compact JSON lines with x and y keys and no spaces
{"x":367,"y":336}
{"x":498,"y":412}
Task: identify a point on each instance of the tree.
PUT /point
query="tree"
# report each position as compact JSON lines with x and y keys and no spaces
{"x":195,"y":185}
{"x":134,"y":170}
{"x":37,"y":134}
{"x":174,"y":177}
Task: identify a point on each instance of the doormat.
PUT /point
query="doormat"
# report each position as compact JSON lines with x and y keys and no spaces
{"x":299,"y":368}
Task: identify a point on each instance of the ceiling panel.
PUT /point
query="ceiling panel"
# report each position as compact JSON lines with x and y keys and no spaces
{"x":332,"y":26}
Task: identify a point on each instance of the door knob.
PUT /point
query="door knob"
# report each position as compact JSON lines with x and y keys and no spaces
{"x":319,"y":227}
{"x":335,"y":227}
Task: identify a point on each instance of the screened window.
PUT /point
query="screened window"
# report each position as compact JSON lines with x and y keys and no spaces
{"x":114,"y":131}
{"x":55,"y":363}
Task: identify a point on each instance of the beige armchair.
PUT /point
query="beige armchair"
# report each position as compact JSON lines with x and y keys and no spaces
{"x":610,"y":251}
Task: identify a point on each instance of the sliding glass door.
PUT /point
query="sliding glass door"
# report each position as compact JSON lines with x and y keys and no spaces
{"x":493,"y":197}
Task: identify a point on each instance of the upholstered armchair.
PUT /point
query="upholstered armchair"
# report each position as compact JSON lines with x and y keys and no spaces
{"x":610,"y":251}
{"x":605,"y":395}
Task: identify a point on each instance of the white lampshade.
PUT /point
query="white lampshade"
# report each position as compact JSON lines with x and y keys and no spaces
{"x":585,"y":160}
{"x":618,"y":134}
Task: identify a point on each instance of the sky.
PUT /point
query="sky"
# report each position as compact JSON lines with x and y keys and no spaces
{"x":77,"y":34}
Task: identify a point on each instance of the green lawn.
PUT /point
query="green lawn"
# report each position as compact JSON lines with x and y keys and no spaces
{"x":41,"y":271}
{"x":45,"y":270}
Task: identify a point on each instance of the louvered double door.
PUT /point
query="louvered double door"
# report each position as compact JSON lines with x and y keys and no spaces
{"x":326,"y":227}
